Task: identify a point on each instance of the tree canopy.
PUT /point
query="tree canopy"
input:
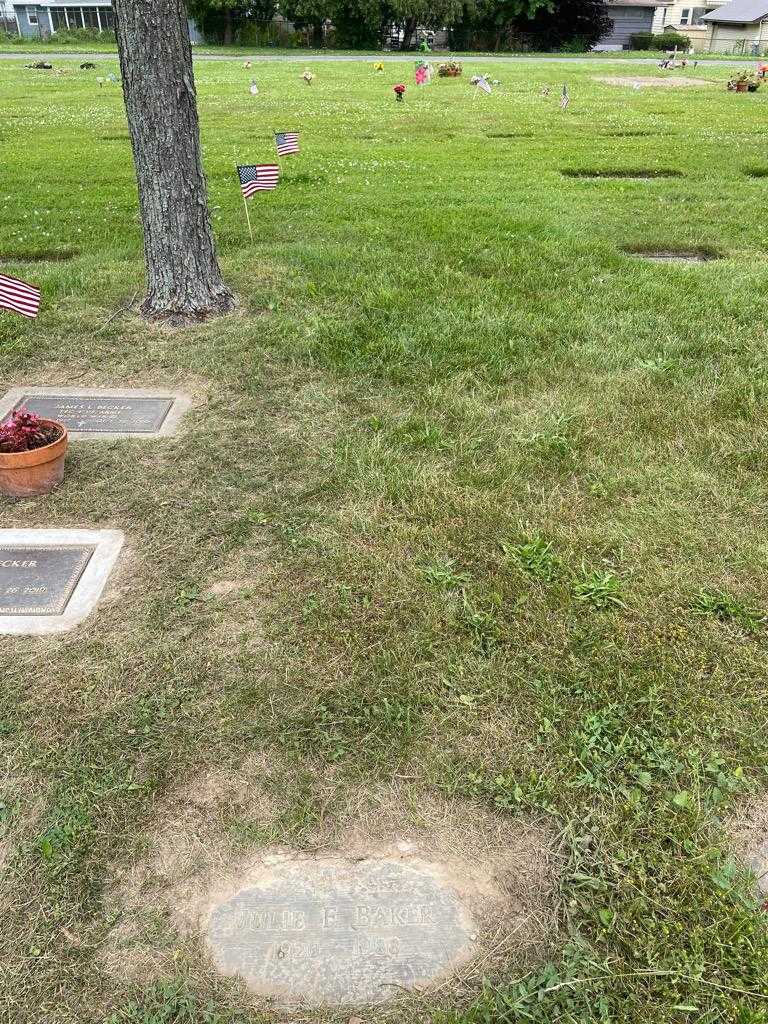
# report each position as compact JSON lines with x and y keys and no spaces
{"x":483,"y":24}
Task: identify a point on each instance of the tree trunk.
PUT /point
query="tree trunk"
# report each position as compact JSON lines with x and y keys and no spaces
{"x":184,"y":282}
{"x":410,"y":27}
{"x":228,"y":29}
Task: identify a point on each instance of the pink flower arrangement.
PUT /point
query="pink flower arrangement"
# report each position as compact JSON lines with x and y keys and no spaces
{"x":24,"y":432}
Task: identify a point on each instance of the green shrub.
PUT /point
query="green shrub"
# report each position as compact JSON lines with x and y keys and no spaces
{"x":666,"y":41}
{"x":263,"y":34}
{"x":642,"y":41}
{"x":76,"y":36}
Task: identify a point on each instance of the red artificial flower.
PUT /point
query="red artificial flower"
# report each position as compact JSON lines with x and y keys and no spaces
{"x":399,"y":89}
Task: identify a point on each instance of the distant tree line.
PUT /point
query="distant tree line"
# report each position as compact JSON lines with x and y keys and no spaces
{"x":472,"y":24}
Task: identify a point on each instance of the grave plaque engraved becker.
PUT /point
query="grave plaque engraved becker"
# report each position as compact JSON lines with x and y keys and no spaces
{"x":336,"y":932}
{"x":101,"y":415}
{"x":38,"y":580}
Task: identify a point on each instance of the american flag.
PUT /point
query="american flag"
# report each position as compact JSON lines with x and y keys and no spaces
{"x":565,"y":99}
{"x":19,"y":296}
{"x":287,"y":142}
{"x":258,"y":178}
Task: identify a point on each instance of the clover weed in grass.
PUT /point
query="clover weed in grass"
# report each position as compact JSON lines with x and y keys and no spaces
{"x":728,"y":609}
{"x":534,"y":557}
{"x":480,"y":621}
{"x":599,"y":588}
{"x":443,"y":572}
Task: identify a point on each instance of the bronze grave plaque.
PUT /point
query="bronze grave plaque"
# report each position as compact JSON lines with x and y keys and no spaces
{"x":38,"y":580}
{"x":91,"y":414}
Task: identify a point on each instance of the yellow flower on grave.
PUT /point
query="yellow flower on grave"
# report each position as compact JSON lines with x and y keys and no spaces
{"x":378,"y":66}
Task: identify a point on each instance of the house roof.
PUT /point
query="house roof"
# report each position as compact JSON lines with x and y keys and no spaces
{"x":56,"y":4}
{"x":739,"y":12}
{"x":640,"y":3}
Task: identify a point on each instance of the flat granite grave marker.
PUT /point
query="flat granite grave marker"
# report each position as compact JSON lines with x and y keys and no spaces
{"x":101,"y":413}
{"x":334,"y":932}
{"x":50,"y":580}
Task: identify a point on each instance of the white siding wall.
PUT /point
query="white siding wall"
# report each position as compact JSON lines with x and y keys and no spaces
{"x":727,"y":38}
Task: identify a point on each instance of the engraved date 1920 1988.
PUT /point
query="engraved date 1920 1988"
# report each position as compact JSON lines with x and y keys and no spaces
{"x":361,"y":945}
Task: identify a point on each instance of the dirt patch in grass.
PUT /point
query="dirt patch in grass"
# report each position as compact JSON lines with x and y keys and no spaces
{"x":643,"y":81}
{"x":41,"y":256}
{"x":512,"y":135}
{"x":635,"y":172}
{"x":749,"y":833}
{"x":669,"y":254}
{"x":226,"y":825}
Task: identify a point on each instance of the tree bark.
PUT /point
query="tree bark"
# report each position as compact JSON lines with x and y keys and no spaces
{"x":184,"y":282}
{"x":228,"y":27}
{"x":410,"y":27}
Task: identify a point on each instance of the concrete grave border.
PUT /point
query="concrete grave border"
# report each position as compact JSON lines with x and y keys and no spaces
{"x":89,"y":587}
{"x":181,"y":404}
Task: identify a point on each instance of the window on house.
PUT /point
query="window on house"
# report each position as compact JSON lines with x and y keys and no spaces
{"x":74,"y":17}
{"x":693,"y":15}
{"x":32,"y":15}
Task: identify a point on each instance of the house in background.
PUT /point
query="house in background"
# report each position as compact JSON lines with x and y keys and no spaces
{"x":40,"y":20}
{"x":629,"y":16}
{"x":739,"y":27}
{"x":688,"y":20}
{"x":8,"y":17}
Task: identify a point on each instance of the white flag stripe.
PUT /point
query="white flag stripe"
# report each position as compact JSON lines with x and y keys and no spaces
{"x":19,"y":296}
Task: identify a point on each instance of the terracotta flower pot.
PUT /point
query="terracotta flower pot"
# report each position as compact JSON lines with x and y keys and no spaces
{"x":741,"y":87}
{"x":27,"y":474}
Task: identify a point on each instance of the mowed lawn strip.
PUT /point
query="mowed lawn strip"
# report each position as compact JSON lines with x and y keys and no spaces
{"x":469,"y":508}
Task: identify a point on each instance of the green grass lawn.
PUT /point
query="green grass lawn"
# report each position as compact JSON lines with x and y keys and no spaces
{"x":56,"y":44}
{"x":469,"y":514}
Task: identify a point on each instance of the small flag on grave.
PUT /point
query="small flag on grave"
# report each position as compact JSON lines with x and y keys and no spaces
{"x":258,"y":178}
{"x":287,"y":142}
{"x":565,"y":99}
{"x":19,"y":297}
